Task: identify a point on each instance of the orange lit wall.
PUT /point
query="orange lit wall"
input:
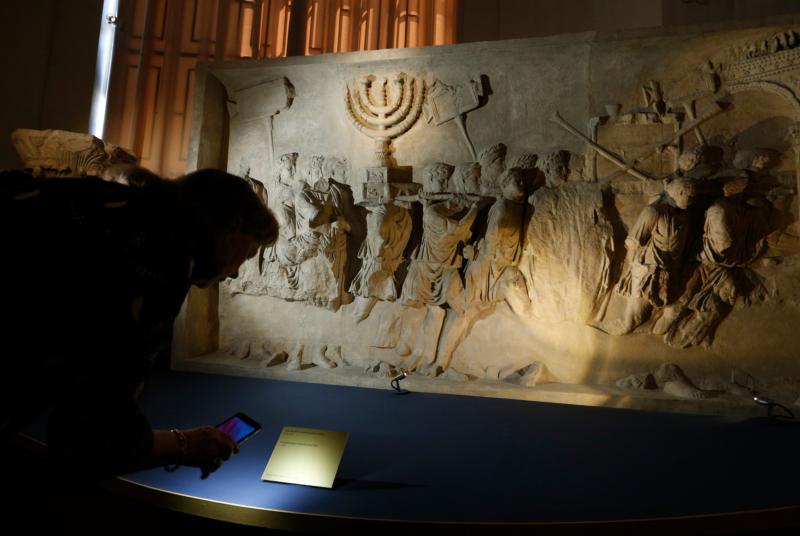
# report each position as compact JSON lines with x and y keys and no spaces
{"x":160,"y":42}
{"x":347,"y":25}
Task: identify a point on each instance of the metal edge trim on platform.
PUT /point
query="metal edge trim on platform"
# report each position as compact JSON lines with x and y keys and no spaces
{"x":768,"y":518}
{"x":291,"y":520}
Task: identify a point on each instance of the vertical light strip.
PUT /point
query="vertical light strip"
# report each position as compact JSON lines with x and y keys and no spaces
{"x":102,"y":73}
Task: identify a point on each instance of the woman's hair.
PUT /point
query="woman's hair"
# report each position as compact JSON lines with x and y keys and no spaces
{"x":221,"y":200}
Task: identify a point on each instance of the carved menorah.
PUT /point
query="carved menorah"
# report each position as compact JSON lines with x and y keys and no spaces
{"x":384,"y":112}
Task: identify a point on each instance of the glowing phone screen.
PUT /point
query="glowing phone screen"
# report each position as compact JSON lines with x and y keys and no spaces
{"x":238,"y":429}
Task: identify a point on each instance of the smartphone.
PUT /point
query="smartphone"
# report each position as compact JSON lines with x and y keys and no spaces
{"x":240,"y":427}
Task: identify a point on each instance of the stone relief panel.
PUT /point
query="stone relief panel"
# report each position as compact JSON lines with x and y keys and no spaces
{"x":59,"y":153}
{"x":383,"y":110}
{"x":568,"y":245}
{"x":654,"y":252}
{"x":734,"y":236}
{"x":452,"y":103}
{"x":629,"y":253}
{"x":381,"y":253}
{"x":309,"y":261}
{"x":261,"y":103}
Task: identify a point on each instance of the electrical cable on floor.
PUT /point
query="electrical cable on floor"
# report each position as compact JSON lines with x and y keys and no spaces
{"x":783,"y":416}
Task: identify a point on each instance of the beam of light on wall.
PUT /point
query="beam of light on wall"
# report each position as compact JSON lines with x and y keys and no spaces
{"x":102,"y":73}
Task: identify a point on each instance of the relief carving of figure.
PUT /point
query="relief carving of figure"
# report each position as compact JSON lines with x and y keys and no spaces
{"x":493,"y":162}
{"x":281,"y":202}
{"x":555,"y":168}
{"x":655,"y":247}
{"x":332,"y":189}
{"x":388,"y":231}
{"x":433,"y":276}
{"x":250,"y":278}
{"x":568,"y":244}
{"x":492,"y":272}
{"x":466,"y":179}
{"x":734,"y":236}
{"x":281,"y":195}
{"x":308,"y":261}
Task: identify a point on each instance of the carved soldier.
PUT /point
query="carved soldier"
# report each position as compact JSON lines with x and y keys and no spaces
{"x":433,"y":276}
{"x":734,"y":234}
{"x":655,"y":247}
{"x":281,"y":194}
{"x":321,"y":235}
{"x":281,"y":201}
{"x":319,"y":245}
{"x":466,"y":179}
{"x":315,"y":231}
{"x":315,"y":175}
{"x":492,"y":271}
{"x":388,"y":231}
{"x":334,"y":187}
{"x":492,"y":161}
{"x":555,"y":168}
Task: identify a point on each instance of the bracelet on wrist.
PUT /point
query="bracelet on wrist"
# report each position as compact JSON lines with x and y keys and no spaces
{"x":183,"y":446}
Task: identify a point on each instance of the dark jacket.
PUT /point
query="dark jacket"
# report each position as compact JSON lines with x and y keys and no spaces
{"x":93,"y":274}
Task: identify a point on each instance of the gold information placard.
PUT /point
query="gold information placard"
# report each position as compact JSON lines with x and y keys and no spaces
{"x":307,"y":456}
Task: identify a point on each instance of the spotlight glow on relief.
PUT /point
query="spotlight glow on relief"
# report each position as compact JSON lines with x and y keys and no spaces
{"x":102,"y":73}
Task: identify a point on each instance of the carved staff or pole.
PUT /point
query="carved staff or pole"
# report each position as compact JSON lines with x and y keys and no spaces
{"x":686,"y":129}
{"x":599,"y":149}
{"x":459,"y":119}
{"x":649,"y":151}
{"x":445,"y":103}
{"x":270,"y":123}
{"x":688,"y":107}
{"x":688,"y":104}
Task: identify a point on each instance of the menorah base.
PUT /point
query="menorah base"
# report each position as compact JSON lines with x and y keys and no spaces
{"x":382,"y":184}
{"x":388,"y":174}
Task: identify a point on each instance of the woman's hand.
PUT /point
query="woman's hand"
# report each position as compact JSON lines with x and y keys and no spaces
{"x":207,"y":448}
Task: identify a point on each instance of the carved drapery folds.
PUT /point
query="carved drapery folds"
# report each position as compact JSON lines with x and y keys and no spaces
{"x":388,"y":231}
{"x":569,"y":252}
{"x":656,"y":227}
{"x":309,"y":260}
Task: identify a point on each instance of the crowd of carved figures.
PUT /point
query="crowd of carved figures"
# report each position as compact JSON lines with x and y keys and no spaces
{"x":538,"y":233}
{"x":661,"y":226}
{"x":525,"y":231}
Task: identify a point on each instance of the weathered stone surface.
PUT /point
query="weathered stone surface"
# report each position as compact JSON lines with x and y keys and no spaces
{"x":659,"y":235}
{"x":60,"y":153}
